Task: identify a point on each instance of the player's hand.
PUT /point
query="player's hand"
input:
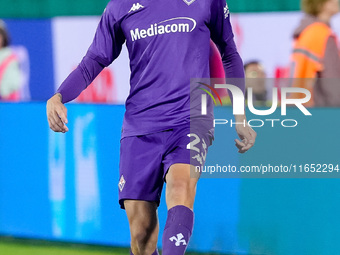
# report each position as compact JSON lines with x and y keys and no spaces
{"x":56,"y":114}
{"x":246,"y":134}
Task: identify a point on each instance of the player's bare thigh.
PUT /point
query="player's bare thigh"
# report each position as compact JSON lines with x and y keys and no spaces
{"x":181,"y":185}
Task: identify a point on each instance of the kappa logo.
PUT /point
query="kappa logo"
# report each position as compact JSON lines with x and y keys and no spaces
{"x":136,"y":7}
{"x":121,"y":183}
{"x":188,"y":2}
{"x":201,"y":155}
{"x":198,"y":158}
{"x":226,"y":11}
{"x":178,"y":240}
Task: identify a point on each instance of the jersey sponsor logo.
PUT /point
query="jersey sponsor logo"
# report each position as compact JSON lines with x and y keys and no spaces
{"x":226,"y":11}
{"x":121,"y":183}
{"x":178,"y":239}
{"x":188,"y":2}
{"x":185,"y":25}
{"x":136,"y":7}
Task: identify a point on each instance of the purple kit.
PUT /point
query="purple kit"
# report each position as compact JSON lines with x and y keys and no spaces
{"x":168,"y":44}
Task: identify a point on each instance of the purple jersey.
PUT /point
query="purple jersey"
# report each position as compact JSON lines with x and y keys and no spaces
{"x":168,"y":44}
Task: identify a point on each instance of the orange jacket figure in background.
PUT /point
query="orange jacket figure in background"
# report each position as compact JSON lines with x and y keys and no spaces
{"x":316,"y":59}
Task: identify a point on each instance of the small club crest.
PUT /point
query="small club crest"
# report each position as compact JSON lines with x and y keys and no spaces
{"x":178,"y":239}
{"x":121,"y":183}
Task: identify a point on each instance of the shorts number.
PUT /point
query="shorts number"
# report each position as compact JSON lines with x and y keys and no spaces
{"x":200,"y":157}
{"x":191,"y":145}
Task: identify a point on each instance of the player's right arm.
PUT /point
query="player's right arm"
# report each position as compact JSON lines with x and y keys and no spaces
{"x":222,"y":35}
{"x":106,"y":47}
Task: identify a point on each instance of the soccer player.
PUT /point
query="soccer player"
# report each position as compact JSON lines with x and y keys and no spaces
{"x":168,"y":44}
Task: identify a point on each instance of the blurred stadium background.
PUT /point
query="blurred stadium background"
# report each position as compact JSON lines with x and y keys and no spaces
{"x":58,"y":193}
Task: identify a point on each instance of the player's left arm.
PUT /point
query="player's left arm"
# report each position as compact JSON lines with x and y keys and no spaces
{"x":245,"y":133}
{"x":222,"y":34}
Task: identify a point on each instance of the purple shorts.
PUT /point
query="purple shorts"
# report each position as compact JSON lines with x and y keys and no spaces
{"x":145,"y":160}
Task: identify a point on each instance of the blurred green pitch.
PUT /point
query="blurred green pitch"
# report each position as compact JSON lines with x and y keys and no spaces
{"x":14,"y":246}
{"x":31,"y":247}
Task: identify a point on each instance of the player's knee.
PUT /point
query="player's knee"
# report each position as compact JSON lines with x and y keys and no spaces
{"x":139,"y":236}
{"x":178,"y":185}
{"x":179,"y":181}
{"x":143,"y":241}
{"x":181,"y":188}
